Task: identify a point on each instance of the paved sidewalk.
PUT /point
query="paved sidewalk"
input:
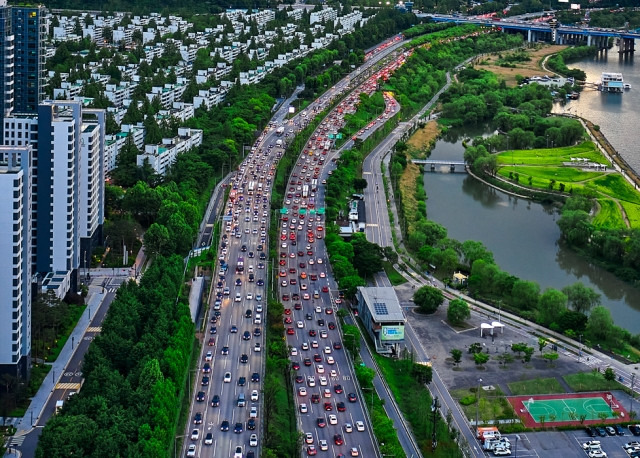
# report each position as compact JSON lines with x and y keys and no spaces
{"x":32,"y":415}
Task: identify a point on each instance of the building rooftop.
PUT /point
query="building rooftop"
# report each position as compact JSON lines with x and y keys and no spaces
{"x":383,"y":303}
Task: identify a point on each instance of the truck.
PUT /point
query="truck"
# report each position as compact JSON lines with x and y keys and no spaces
{"x":280,"y":131}
{"x":327,"y":145}
{"x":279,"y":143}
{"x":305,"y":191}
{"x":59,"y":406}
{"x":240,"y":265}
{"x":314,"y":185}
{"x":252,"y":186}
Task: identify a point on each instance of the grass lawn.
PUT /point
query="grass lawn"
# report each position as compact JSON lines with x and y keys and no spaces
{"x":546,"y":174}
{"x":616,"y":186}
{"x":591,"y":381}
{"x":550,"y":156}
{"x":394,"y":277}
{"x":609,"y":215}
{"x":493,"y":405}
{"x":633,"y":213}
{"x":414,"y":401}
{"x":536,"y":386}
{"x":75,"y":312}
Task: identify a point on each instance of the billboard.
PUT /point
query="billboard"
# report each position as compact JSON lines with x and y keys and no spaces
{"x":292,"y":109}
{"x":392,"y":333}
{"x":575,"y":6}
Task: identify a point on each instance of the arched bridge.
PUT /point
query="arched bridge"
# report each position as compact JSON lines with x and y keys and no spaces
{"x":438,"y":166}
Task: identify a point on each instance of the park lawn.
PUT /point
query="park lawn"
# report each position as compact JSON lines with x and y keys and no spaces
{"x":591,"y":381}
{"x":609,"y":216}
{"x":394,"y":277}
{"x":493,"y":405}
{"x":551,"y":156}
{"x":633,"y":213}
{"x":616,"y":186}
{"x":546,"y":174}
{"x":536,"y":386}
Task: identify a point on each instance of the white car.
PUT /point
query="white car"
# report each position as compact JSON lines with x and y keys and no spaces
{"x":249,"y":296}
{"x":294,"y":351}
{"x":253,"y":440}
{"x":209,"y":356}
{"x":318,"y":309}
{"x":195,"y":434}
{"x":302,"y":391}
{"x":308,"y":438}
{"x":238,"y":452}
{"x":300,"y":324}
{"x":303,"y":408}
{"x":348,"y":428}
{"x":323,"y":445}
{"x":327,"y":350}
{"x":333,"y":420}
{"x":192,"y":450}
{"x":257,"y":347}
{"x":254,"y":395}
{"x":311,"y":381}
{"x":597,"y":454}
{"x":227,"y":377}
{"x":314,"y":344}
{"x":320,"y":369}
{"x":501,"y":451}
{"x":305,"y":345}
{"x":323,"y":380}
{"x":330,"y":360}
{"x":333,"y":373}
{"x":360,"y":425}
{"x":319,"y":260}
{"x":253,"y":413}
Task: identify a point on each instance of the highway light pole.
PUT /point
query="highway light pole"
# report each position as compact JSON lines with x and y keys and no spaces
{"x":477,"y":403}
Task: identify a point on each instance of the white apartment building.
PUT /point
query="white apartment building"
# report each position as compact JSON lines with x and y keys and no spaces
{"x":163,"y":155}
{"x":349,"y":21}
{"x":168,"y":94}
{"x":15,"y":260}
{"x":326,"y":15}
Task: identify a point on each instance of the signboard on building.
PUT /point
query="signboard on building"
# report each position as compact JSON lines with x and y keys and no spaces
{"x":392,"y":333}
{"x":292,"y":109}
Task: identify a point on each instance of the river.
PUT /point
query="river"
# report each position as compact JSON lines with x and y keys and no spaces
{"x":523,"y":236}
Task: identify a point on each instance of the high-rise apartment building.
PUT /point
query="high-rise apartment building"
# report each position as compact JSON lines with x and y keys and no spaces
{"x":15,"y":261}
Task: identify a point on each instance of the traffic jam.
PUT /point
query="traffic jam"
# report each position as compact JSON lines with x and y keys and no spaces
{"x":326,"y":400}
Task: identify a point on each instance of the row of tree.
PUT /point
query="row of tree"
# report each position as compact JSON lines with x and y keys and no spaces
{"x":558,"y":62}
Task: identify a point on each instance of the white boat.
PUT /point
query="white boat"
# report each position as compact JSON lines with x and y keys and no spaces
{"x":626,"y":86}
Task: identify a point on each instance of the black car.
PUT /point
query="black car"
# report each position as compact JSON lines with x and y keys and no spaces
{"x":206,"y":368}
{"x":238,"y":428}
{"x":213,"y":330}
{"x":215,"y":401}
{"x":251,"y":255}
{"x":238,"y":282}
{"x":251,"y":454}
{"x":225,"y":350}
{"x":299,"y":379}
{"x":200,"y":396}
{"x":321,"y":322}
{"x":242,"y":381}
{"x":619,"y":430}
{"x":260,"y":282}
{"x":601,"y":431}
{"x":590,"y":432}
{"x":352,"y":397}
{"x":308,"y":316}
{"x":224,"y":426}
{"x":259,"y":248}
{"x":197,"y":418}
{"x":255,"y":377}
{"x":246,"y":335}
{"x":263,"y":256}
{"x":635,"y":430}
{"x":244,"y":358}
{"x":248,"y":313}
{"x":251,"y":424}
{"x":205,"y":380}
{"x":244,"y":248}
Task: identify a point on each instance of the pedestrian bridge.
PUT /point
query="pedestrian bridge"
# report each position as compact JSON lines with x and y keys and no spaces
{"x":442,"y":166}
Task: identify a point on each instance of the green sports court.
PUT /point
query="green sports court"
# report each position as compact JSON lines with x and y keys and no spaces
{"x":567,"y":408}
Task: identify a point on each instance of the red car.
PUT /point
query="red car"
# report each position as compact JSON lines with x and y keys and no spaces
{"x":328,"y":406}
{"x":285,"y":297}
{"x":212,"y":342}
{"x":288,"y":320}
{"x":311,"y":450}
{"x":291,"y":331}
{"x":287,"y":311}
{"x":325,"y":289}
{"x":337,"y":438}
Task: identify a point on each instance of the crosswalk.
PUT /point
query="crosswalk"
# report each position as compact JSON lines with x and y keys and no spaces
{"x":16,"y":441}
{"x":94,"y":329}
{"x":68,"y":386}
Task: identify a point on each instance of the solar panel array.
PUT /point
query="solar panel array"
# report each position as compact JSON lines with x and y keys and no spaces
{"x":380,"y":308}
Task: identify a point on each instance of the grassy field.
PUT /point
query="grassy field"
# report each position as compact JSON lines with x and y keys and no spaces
{"x":616,"y":186}
{"x":75,"y":312}
{"x":394,"y":277}
{"x":408,"y":190}
{"x":633,"y":213}
{"x":422,"y":138}
{"x":536,"y":386}
{"x":591,"y":381}
{"x":609,"y":215}
{"x":528,"y":68}
{"x":493,"y":405}
{"x":551,"y":156}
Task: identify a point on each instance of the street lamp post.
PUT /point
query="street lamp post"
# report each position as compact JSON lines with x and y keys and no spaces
{"x":477,"y":403}
{"x":515,"y":455}
{"x":633,"y":379}
{"x":580,"y":347}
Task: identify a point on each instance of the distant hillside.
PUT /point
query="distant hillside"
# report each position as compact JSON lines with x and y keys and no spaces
{"x":145,"y":6}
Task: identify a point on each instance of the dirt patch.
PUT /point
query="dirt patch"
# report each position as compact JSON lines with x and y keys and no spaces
{"x":408,"y":192}
{"x":423,"y":138}
{"x":532,"y":67}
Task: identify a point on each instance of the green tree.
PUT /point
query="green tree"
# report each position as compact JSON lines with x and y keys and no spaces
{"x":609,"y":374}
{"x":600,"y":327}
{"x":456,"y":355}
{"x":480,"y":358}
{"x":475,"y":348}
{"x":156,"y":239}
{"x":422,"y":373}
{"x":458,"y":311}
{"x":550,"y":357}
{"x":542,"y":342}
{"x":525,"y":295}
{"x":351,"y":338}
{"x":428,"y":299}
{"x":581,"y":298}
{"x":551,"y":305}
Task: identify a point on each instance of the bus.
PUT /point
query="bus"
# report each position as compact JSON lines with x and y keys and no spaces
{"x":240,"y":265}
{"x":314,"y":185}
{"x":305,"y":191}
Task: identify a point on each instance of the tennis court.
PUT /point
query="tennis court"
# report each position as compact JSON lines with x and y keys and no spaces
{"x":557,"y":409}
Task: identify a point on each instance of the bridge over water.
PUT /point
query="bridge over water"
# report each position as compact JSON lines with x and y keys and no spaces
{"x":437,"y":166}
{"x":542,"y":31}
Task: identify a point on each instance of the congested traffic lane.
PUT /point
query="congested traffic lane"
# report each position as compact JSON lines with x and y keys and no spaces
{"x":215,"y":399}
{"x":331,"y":417}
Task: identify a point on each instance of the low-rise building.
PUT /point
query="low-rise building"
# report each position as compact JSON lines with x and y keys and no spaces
{"x":382,"y":316}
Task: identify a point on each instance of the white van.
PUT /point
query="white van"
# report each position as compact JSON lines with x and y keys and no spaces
{"x":238,"y":297}
{"x":257,"y":319}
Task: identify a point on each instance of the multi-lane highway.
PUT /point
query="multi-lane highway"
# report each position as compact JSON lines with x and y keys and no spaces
{"x":228,"y":378}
